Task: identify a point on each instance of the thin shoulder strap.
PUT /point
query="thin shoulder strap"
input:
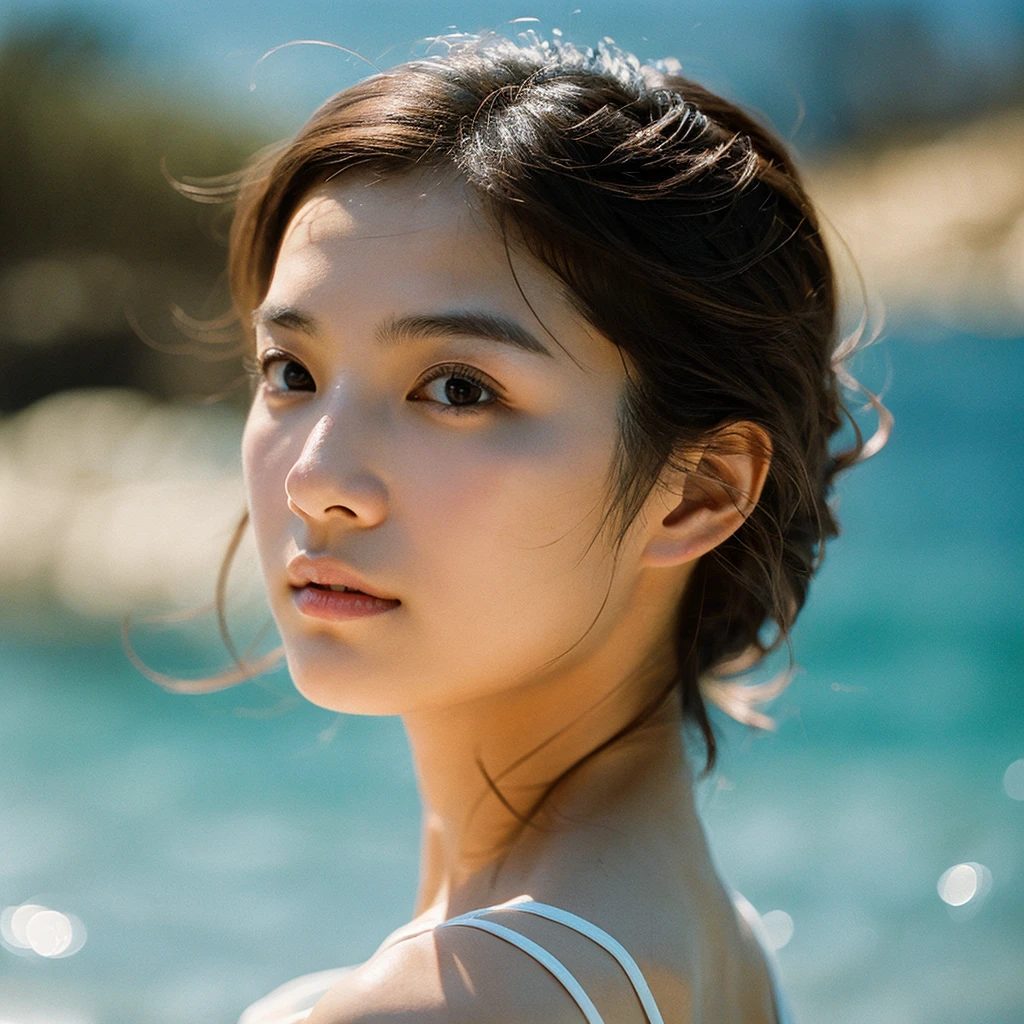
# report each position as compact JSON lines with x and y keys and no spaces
{"x":577,"y":924}
{"x":555,"y":966}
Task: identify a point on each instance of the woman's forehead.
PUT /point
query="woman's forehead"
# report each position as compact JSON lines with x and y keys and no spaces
{"x":364,"y":206}
{"x":415,"y":239}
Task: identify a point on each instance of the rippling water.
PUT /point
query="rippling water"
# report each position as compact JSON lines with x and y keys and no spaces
{"x":208,"y":848}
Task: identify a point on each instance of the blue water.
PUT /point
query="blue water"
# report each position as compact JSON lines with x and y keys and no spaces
{"x":215,"y":846}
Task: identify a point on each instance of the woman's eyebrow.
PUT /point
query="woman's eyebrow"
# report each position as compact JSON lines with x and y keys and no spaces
{"x":396,"y":330}
{"x":460,"y":323}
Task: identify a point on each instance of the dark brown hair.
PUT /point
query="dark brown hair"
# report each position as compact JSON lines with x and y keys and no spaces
{"x":683,"y":233}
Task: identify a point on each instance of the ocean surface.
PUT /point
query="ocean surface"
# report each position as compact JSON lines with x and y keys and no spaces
{"x":207,"y":848}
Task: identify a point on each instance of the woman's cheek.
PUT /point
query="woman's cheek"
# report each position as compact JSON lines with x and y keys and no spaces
{"x":253,"y":440}
{"x":265,"y":464}
{"x":509,"y":481}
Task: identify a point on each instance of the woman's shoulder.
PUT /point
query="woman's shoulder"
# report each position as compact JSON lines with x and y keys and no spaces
{"x":759,"y":943}
{"x":447,"y":975}
{"x":563,"y":963}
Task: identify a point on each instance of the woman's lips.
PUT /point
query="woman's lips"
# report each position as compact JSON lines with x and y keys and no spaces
{"x":338,"y":605}
{"x":325,"y":571}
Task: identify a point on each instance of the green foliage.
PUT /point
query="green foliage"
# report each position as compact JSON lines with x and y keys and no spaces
{"x":83,"y":144}
{"x":92,"y":228}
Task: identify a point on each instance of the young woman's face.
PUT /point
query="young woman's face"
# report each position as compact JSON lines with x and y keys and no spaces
{"x":417,"y":424}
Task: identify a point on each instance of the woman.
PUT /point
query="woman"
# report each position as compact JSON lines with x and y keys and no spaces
{"x":537,"y":458}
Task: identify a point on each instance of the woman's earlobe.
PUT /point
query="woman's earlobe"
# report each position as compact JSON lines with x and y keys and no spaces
{"x":715,"y":496}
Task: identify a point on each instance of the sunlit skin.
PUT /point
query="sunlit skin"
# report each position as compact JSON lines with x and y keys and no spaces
{"x":518,"y":631}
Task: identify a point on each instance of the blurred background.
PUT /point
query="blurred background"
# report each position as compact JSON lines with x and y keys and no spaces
{"x":166,"y":858}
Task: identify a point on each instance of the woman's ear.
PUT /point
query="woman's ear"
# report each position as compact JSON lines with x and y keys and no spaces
{"x":694,"y":509}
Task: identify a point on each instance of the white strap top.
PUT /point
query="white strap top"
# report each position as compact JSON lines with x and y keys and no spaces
{"x":555,"y":966}
{"x":293,"y":1002}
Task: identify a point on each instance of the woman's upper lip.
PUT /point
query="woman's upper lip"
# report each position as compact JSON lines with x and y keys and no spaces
{"x":326,"y":571}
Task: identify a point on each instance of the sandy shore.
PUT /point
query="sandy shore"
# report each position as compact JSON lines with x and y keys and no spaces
{"x":937,"y":228}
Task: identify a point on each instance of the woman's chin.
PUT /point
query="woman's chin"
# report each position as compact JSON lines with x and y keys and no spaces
{"x":349,"y":695}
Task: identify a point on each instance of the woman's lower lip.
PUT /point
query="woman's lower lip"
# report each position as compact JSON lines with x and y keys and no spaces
{"x":336,"y":605}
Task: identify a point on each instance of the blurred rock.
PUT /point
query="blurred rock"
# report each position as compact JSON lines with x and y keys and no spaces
{"x":937,"y":227}
{"x":51,"y":298}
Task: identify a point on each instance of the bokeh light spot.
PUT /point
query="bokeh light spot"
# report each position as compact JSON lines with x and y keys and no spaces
{"x":35,"y":928}
{"x":49,"y":932}
{"x":964,"y":882}
{"x":779,"y":926}
{"x":14,"y":921}
{"x":1013,"y":780}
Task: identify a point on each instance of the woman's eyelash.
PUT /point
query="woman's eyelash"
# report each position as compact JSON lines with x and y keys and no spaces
{"x":258,"y":367}
{"x":463,"y":372}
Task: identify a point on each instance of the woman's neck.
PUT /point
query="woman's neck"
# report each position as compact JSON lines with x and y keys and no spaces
{"x":469,"y":824}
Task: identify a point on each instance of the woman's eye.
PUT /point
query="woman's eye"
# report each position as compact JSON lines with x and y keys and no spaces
{"x":453,"y":388}
{"x":284,"y":374}
{"x":458,"y":389}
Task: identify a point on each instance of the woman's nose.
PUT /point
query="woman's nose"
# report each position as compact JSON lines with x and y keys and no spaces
{"x":328,"y":481}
